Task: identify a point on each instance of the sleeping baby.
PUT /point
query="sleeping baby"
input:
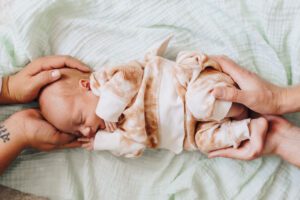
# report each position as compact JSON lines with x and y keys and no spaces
{"x":156,"y":103}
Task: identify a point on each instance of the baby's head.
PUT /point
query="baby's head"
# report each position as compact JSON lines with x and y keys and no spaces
{"x":70,"y":105}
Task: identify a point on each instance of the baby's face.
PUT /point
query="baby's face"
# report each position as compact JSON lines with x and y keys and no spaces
{"x":74,"y":113}
{"x":82,"y":118}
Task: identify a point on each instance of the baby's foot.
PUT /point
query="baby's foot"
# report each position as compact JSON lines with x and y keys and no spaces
{"x":258,"y":125}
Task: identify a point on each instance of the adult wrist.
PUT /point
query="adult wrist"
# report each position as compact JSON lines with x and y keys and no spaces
{"x":15,"y":128}
{"x":289,"y":100}
{"x":271,"y":144}
{"x":5,"y":96}
{"x":11,"y":141}
{"x":286,"y":143}
{"x":282,"y":99}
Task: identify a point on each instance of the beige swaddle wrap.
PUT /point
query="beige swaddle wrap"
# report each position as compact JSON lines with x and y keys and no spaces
{"x":159,"y":103}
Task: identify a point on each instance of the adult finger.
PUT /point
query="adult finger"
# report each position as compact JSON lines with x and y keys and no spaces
{"x":44,"y":78}
{"x":275,"y":118}
{"x":229,"y":153}
{"x":257,"y":140}
{"x":237,"y":73}
{"x":83,"y":139}
{"x":231,"y":94}
{"x":56,"y":62}
{"x":87,"y":146}
{"x":60,"y":138}
{"x":74,"y":144}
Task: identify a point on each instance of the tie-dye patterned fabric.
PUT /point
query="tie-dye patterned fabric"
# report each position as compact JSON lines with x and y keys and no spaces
{"x":262,"y":36}
{"x":131,"y":94}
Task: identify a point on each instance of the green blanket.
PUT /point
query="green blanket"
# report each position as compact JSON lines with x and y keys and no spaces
{"x":263,"y":36}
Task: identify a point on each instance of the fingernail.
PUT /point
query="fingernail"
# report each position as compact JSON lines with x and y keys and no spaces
{"x":55,"y":73}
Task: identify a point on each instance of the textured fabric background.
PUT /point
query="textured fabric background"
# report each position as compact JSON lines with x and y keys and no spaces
{"x":263,"y":36}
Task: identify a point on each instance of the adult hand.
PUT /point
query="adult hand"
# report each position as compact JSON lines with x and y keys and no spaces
{"x":40,"y":134}
{"x":25,"y":85}
{"x":255,"y":93}
{"x":248,"y":150}
{"x":28,"y":128}
{"x":282,"y":139}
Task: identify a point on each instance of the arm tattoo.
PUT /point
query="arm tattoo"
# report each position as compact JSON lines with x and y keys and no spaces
{"x":4,"y":134}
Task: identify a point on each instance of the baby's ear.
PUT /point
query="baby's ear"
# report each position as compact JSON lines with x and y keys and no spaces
{"x":85,"y":84}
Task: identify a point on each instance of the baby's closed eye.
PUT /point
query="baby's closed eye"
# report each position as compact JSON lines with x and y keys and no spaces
{"x":76,"y":133}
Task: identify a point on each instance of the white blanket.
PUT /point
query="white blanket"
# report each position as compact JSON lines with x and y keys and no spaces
{"x":263,"y":36}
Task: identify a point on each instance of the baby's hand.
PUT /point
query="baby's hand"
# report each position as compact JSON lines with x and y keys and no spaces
{"x":87,"y":143}
{"x":110,"y":126}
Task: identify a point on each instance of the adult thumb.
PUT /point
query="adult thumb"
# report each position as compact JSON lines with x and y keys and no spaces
{"x":46,"y":77}
{"x":230,"y":94}
{"x":60,"y":138}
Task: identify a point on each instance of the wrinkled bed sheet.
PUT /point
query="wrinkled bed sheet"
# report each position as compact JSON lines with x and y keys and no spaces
{"x":263,"y":36}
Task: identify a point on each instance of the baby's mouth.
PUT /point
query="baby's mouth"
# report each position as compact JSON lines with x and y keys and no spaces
{"x":76,"y":134}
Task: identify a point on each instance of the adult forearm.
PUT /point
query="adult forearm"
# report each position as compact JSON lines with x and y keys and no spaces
{"x":4,"y":94}
{"x":288,"y":145}
{"x":11,"y":143}
{"x":290,"y":100}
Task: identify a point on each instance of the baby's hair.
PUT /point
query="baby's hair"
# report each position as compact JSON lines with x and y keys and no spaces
{"x":66,"y":87}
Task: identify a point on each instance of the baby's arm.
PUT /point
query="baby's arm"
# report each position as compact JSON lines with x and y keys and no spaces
{"x":116,"y":142}
{"x":116,"y":87}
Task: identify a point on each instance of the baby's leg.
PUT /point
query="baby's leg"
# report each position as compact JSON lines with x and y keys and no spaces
{"x":212,"y":135}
